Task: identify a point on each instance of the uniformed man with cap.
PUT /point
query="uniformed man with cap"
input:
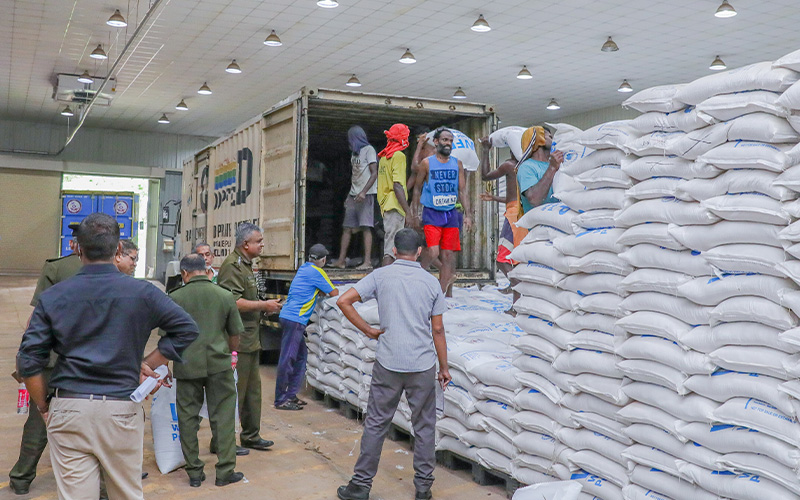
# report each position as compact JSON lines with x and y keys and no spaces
{"x":206,"y":368}
{"x":236,"y":274}
{"x":34,"y":434}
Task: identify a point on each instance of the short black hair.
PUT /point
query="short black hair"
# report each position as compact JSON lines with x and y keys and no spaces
{"x":98,"y":237}
{"x":128,"y":246}
{"x":192,"y":263}
{"x":407,"y":241}
{"x":439,"y":131}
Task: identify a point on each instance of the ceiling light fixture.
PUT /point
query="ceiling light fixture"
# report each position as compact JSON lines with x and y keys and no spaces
{"x":481,"y":26}
{"x":327,"y":4}
{"x":98,"y":53}
{"x":163,"y":118}
{"x":182,"y":106}
{"x":116,"y":20}
{"x":85,"y":78}
{"x":553,"y":106}
{"x":353,"y":82}
{"x":204,"y":90}
{"x":408,"y":57}
{"x":717,"y":65}
{"x":67,"y":112}
{"x":233,"y":68}
{"x":725,"y":10}
{"x":609,"y":46}
{"x":524,"y":74}
{"x":459,"y":94}
{"x":273,"y":40}
{"x":625,"y":87}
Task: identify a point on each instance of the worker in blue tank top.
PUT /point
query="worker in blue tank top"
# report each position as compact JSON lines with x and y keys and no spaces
{"x":440,"y":184}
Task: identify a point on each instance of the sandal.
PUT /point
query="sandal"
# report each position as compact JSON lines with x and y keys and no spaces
{"x":298,"y":401}
{"x":288,"y":405}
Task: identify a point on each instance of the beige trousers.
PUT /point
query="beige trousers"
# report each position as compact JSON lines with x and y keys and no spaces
{"x":86,"y":434}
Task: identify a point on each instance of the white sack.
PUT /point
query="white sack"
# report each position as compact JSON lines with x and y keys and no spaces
{"x":653,"y":323}
{"x":654,"y":280}
{"x":592,"y":161}
{"x":676,"y":489}
{"x":606,"y":176}
{"x":706,"y":237}
{"x":735,"y":182}
{"x":650,"y":256}
{"x":600,"y":262}
{"x":654,"y":373}
{"x":729,"y":106}
{"x":584,"y":242}
{"x":654,"y":233}
{"x":595,"y":199}
{"x":683,"y":120}
{"x":723,"y":385}
{"x":575,"y":322}
{"x":749,"y":155}
{"x":602,"y":303}
{"x":757,"y":309}
{"x":166,"y":436}
{"x":690,"y":408}
{"x":759,"y":76}
{"x":736,"y":486}
{"x":657,"y":187}
{"x":677,"y":307}
{"x":666,"y":210}
{"x":708,"y":339}
{"x":666,"y":352}
{"x":508,"y":137}
{"x":607,"y":135}
{"x":761,"y":416}
{"x":746,"y":207}
{"x":584,"y":361}
{"x":649,"y":167}
{"x":593,"y":219}
{"x":653,"y":143}
{"x":660,"y":98}
{"x":536,"y":273}
{"x":542,"y":252}
{"x":463,"y":149}
{"x":557,"y":215}
{"x":641,"y":413}
{"x":588,"y":284}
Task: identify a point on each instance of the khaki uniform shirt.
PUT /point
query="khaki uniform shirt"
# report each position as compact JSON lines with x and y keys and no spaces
{"x":214,"y":311}
{"x":236,"y":275}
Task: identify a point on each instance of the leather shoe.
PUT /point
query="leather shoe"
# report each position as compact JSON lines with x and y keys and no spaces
{"x":352,"y":491}
{"x":423,"y":495}
{"x":195,"y":482}
{"x":20,"y":489}
{"x":261,"y":444}
{"x":145,"y":474}
{"x":233,"y":477}
{"x":240,"y":451}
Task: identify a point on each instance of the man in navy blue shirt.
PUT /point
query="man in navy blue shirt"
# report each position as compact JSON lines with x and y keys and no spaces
{"x":98,"y":322}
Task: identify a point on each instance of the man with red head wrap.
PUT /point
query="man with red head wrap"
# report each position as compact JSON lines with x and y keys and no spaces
{"x":392,"y":193}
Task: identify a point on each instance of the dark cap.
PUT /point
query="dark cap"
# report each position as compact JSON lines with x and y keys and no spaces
{"x":74,"y":228}
{"x":317,"y":252}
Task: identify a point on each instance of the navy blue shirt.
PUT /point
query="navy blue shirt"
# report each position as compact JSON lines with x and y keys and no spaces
{"x":98,"y":322}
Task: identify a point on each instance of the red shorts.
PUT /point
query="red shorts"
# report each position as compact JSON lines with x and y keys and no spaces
{"x":446,"y":238}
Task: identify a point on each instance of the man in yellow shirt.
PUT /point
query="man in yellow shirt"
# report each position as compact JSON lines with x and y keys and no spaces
{"x":392,"y":193}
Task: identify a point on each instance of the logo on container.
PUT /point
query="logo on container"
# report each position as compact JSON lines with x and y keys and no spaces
{"x":74,"y":206}
{"x":121,"y":207}
{"x":233,"y":181}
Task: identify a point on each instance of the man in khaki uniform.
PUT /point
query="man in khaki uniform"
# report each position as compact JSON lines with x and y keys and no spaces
{"x":236,"y":274}
{"x":207,"y":367}
{"x":34,"y":434}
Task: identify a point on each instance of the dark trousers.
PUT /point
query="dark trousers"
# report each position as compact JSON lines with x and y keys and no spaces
{"x":220,"y":392}
{"x":384,"y":395}
{"x":34,"y":440}
{"x":292,"y":362}
{"x":249,"y":387}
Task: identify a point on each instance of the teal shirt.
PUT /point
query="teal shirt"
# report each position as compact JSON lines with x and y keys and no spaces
{"x":304,"y":291}
{"x":528,"y":175}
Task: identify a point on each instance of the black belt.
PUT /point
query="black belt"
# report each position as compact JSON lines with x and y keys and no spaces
{"x":60,"y":393}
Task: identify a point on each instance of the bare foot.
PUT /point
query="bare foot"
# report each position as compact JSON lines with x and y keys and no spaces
{"x":364,"y":267}
{"x":339,"y":264}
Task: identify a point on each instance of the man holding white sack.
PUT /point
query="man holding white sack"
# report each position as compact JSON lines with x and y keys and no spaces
{"x":98,"y":322}
{"x":410,"y":306}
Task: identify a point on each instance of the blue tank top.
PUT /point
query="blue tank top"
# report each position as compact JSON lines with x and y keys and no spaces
{"x":440,"y":191}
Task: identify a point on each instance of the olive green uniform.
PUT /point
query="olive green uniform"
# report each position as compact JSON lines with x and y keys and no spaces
{"x":34,"y":433}
{"x":236,"y":275}
{"x":207,"y":367}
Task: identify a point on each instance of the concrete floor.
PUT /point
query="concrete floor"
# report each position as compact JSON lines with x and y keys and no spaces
{"x":314,"y":451}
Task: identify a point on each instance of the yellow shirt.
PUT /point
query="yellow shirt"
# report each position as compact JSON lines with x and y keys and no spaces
{"x":390,"y":171}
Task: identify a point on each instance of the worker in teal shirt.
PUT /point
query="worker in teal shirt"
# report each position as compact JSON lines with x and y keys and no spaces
{"x":535,"y":174}
{"x":304,"y":291}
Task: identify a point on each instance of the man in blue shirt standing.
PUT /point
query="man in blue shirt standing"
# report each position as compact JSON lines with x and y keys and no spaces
{"x":535,"y":174}
{"x":307,"y":284}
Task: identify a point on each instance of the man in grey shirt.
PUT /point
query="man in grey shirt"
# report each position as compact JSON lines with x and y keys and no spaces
{"x":410,"y":305}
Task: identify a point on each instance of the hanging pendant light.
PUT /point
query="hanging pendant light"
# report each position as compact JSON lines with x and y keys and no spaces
{"x":116,"y":20}
{"x":459,"y":94}
{"x":609,"y":46}
{"x":725,"y":10}
{"x":85,"y":78}
{"x":163,"y":118}
{"x":524,"y":74}
{"x":408,"y":57}
{"x":233,"y":68}
{"x":481,"y":26}
{"x":717,"y":65}
{"x":182,"y":106}
{"x":553,"y":106}
{"x":67,"y":112}
{"x":625,"y":87}
{"x":98,"y":53}
{"x":273,"y":40}
{"x":353,"y":82}
{"x":327,"y":4}
{"x":204,"y":90}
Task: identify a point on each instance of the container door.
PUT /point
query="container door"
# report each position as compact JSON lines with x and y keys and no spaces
{"x":284,"y":155}
{"x":123,"y":208}
{"x":194,"y":204}
{"x":74,"y":207}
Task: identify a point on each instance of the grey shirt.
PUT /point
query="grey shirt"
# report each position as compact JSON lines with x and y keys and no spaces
{"x":408,"y":296}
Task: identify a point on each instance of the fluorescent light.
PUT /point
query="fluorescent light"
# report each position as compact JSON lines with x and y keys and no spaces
{"x":328,"y":4}
{"x":116,"y":20}
{"x":481,"y":26}
{"x":67,"y":112}
{"x":273,"y":40}
{"x":163,"y":118}
{"x":204,"y":90}
{"x":408,"y":57}
{"x":609,"y":46}
{"x":98,"y":53}
{"x":524,"y":74}
{"x":717,"y":64}
{"x":725,"y":10}
{"x":85,"y":78}
{"x":353,"y":82}
{"x":459,"y":94}
{"x":233,"y":68}
{"x":182,"y":106}
{"x":625,"y":87}
{"x":553,"y":105}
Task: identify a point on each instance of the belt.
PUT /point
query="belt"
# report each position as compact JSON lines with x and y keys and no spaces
{"x":60,"y":393}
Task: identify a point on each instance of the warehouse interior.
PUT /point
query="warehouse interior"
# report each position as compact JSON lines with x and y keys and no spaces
{"x":650,"y":348}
